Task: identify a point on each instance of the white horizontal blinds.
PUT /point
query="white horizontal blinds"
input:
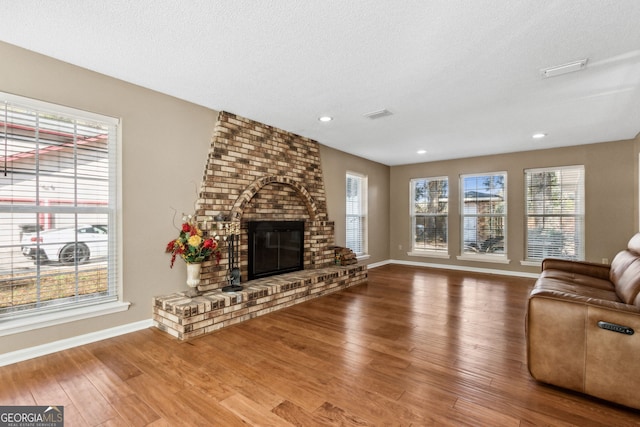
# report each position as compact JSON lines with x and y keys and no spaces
{"x":484,"y":200}
{"x":429,"y":212}
{"x":555,"y":213}
{"x":56,"y":207}
{"x":355,"y":213}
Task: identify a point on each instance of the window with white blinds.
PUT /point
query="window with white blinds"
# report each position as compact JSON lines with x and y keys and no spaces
{"x":57,"y":208}
{"x":356,"y":220}
{"x":555,"y":213}
{"x":429,"y":214}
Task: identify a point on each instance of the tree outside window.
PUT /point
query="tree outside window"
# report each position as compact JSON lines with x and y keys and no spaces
{"x":429,"y":214}
{"x":484,"y":215}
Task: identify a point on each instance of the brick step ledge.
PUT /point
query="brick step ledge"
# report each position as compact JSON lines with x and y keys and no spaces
{"x":185,"y":318}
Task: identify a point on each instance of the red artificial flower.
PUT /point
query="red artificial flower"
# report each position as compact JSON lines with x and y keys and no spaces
{"x":208,"y":243}
{"x":170,"y":245}
{"x":186,"y":227}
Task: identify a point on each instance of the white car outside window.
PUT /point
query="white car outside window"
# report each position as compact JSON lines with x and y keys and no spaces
{"x":67,"y":245}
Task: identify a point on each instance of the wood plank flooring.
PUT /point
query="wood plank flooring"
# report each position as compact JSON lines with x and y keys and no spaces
{"x":412,"y":347}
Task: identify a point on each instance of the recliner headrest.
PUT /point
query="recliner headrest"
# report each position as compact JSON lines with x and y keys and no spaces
{"x":634,"y":243}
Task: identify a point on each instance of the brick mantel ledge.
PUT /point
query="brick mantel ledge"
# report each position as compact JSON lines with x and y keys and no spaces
{"x":185,"y":318}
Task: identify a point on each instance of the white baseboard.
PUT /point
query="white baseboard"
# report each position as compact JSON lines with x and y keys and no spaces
{"x":455,"y":267}
{"x":378,"y":264}
{"x":41,"y":350}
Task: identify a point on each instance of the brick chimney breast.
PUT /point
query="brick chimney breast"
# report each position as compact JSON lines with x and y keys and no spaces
{"x":258,"y":172}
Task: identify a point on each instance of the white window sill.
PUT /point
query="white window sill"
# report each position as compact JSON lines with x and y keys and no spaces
{"x":363,"y":257}
{"x":531,"y":263}
{"x":484,"y":258}
{"x":44,"y":320}
{"x":428,"y":254}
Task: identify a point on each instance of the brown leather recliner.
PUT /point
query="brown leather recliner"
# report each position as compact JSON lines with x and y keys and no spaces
{"x":583,"y":326}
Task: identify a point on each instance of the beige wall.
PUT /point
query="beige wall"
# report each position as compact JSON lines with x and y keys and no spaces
{"x":164,"y":149}
{"x":335,"y":165}
{"x":611,"y":202}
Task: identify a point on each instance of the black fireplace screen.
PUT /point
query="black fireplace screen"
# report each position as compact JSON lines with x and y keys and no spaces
{"x":275,"y":247}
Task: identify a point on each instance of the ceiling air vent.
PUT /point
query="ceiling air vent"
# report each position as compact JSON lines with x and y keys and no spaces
{"x":378,"y":114}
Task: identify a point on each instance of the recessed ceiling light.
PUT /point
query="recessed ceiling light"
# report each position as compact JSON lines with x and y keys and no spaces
{"x":325,"y":118}
{"x":421,"y":151}
{"x":539,"y":135}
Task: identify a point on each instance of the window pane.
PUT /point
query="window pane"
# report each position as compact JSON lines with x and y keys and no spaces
{"x":484,"y":214}
{"x":484,"y":235}
{"x":356,"y":219}
{"x":555,"y":213}
{"x":430,"y":214}
{"x":354,"y":233}
{"x":55,"y":209}
{"x":431,"y":233}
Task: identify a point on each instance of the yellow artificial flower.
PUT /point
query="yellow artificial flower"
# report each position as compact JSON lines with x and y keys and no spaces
{"x":195,"y":240}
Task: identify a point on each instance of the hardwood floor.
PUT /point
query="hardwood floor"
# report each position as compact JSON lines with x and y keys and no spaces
{"x":412,"y":347}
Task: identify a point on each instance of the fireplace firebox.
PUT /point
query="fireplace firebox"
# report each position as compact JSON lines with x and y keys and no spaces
{"x":275,"y":247}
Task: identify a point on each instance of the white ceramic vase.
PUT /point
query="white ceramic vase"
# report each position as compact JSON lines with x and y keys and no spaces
{"x":193,"y":278}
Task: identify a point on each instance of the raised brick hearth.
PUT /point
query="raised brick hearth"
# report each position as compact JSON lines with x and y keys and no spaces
{"x":186,"y":318}
{"x":256,"y":172}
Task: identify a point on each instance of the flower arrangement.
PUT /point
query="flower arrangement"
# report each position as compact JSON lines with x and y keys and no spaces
{"x":191,"y":246}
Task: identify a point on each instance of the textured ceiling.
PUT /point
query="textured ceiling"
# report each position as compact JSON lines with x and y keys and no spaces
{"x":462,"y":78}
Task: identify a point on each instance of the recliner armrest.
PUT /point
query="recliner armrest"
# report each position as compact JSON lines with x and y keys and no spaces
{"x":570,"y":297}
{"x":600,"y":271}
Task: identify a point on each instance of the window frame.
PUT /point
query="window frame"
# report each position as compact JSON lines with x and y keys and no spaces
{"x":362,"y":213}
{"x":52,"y":314}
{"x":414,"y":250}
{"x":486,"y":256}
{"x":580,"y":216}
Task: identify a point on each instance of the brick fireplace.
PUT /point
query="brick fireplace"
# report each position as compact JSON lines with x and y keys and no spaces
{"x":256,"y":172}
